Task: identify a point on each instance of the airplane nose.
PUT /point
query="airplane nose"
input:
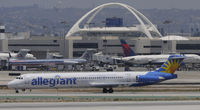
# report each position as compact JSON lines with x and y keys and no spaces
{"x":11,"y":84}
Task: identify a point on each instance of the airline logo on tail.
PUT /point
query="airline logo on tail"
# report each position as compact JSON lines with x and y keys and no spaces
{"x":172,"y":64}
{"x":126,"y":49}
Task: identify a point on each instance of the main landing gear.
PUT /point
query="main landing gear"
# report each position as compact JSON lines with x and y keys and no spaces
{"x":16,"y":91}
{"x":110,"y":90}
{"x":23,"y":90}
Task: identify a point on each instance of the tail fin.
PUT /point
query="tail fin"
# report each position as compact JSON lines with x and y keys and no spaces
{"x":88,"y":54}
{"x":172,"y":64}
{"x":127,"y":51}
{"x":22,"y":53}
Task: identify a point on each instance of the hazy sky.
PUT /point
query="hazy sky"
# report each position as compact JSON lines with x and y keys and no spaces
{"x":139,"y":4}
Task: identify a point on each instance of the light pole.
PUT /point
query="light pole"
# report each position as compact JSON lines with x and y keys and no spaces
{"x":167,"y":22}
{"x":64,"y":23}
{"x":105,"y":40}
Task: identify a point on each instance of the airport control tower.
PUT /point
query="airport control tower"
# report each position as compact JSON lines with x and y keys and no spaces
{"x":3,"y":40}
{"x":2,"y":32}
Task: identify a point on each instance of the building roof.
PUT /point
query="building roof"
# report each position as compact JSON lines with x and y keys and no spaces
{"x":173,"y":37}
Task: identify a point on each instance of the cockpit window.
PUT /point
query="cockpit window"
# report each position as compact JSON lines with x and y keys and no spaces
{"x":19,"y":77}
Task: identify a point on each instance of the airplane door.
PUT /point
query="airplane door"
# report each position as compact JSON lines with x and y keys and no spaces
{"x":128,"y":77}
{"x":27,"y":81}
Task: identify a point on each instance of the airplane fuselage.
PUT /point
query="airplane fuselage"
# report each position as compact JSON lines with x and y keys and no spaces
{"x":47,"y":61}
{"x":157,"y":59}
{"x":75,"y":80}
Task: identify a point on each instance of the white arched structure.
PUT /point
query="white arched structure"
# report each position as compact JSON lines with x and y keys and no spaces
{"x":143,"y":28}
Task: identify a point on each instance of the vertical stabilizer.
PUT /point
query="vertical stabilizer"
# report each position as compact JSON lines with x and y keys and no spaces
{"x":88,"y":54}
{"x":22,"y":53}
{"x":127,"y":51}
{"x":172,"y":64}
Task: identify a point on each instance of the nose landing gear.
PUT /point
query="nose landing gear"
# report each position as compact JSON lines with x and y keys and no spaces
{"x":23,"y":90}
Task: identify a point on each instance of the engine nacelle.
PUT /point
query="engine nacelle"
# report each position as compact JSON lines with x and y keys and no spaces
{"x":148,"y":79}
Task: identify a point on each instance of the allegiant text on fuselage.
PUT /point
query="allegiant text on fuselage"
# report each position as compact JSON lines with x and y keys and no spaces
{"x":52,"y":82}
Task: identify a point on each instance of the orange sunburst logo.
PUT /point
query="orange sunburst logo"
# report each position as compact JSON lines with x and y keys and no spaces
{"x":171,"y":66}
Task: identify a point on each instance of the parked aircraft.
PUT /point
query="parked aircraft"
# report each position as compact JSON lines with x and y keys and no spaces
{"x":105,"y":80}
{"x":131,"y":57}
{"x":22,"y":54}
{"x":83,"y":59}
{"x":104,"y":59}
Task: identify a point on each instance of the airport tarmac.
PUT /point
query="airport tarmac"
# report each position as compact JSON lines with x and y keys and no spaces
{"x":99,"y":94}
{"x":150,"y":105}
{"x":62,"y":96}
{"x":186,"y":87}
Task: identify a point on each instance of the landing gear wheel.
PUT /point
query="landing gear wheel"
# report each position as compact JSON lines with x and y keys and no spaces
{"x":110,"y":90}
{"x":16,"y":91}
{"x":105,"y":90}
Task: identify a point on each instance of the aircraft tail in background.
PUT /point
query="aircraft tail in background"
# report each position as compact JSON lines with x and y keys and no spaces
{"x":22,"y":53}
{"x":127,"y":51}
{"x":88,"y":54}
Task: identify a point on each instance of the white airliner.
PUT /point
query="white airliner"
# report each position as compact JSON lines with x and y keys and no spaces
{"x":22,"y":54}
{"x":105,"y":80}
{"x":131,"y":57}
{"x":83,"y":59}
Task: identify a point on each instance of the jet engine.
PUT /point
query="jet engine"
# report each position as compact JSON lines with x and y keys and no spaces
{"x":148,"y":79}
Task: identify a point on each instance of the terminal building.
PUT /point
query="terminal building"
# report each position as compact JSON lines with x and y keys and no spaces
{"x":144,"y":38}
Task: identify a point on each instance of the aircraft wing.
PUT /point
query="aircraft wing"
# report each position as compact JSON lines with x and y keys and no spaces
{"x":70,"y":62}
{"x":22,"y":53}
{"x":74,"y":61}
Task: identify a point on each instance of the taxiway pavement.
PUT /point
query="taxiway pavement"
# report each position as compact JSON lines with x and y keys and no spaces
{"x":148,"y":105}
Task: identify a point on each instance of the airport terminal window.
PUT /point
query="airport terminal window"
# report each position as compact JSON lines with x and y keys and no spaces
{"x":187,"y":46}
{"x":105,"y":41}
{"x":85,"y":45}
{"x":152,"y":46}
{"x":2,"y":30}
{"x":164,"y":41}
{"x":33,"y":45}
{"x":55,"y":41}
{"x":116,"y":45}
